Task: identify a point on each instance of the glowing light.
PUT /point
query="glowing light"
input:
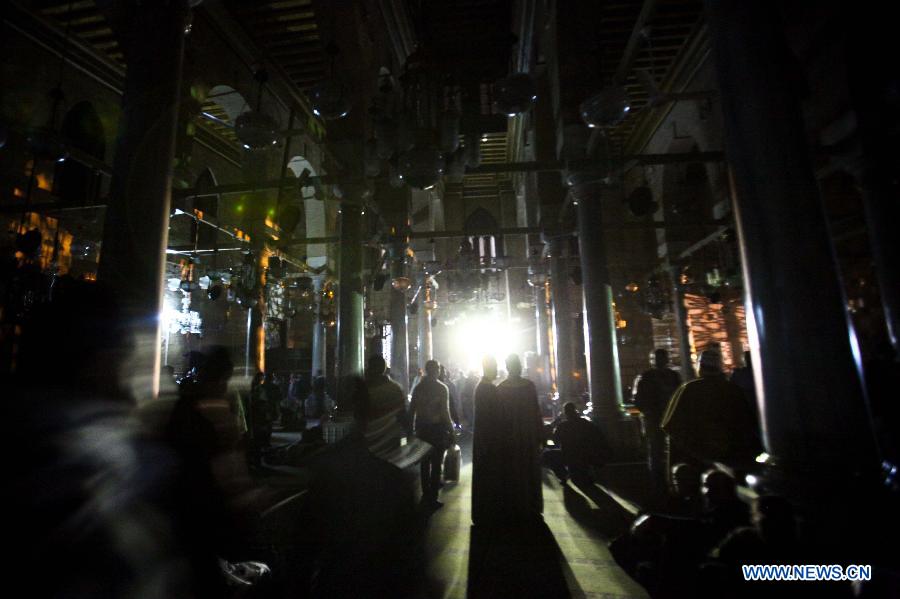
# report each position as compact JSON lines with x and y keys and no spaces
{"x":484,"y":335}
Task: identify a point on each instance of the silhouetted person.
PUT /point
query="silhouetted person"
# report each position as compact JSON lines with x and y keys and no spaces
{"x":709,"y":420}
{"x":686,"y":498}
{"x":292,"y":412}
{"x":361,"y":515}
{"x":467,"y":397}
{"x":429,"y":414}
{"x":581,"y":446}
{"x":523,"y":439}
{"x":488,"y":460}
{"x":387,"y":408}
{"x":654,"y":391}
{"x":203,"y":432}
{"x":771,"y":540}
{"x":743,"y":378}
{"x":83,"y":489}
{"x":444,"y":377}
{"x":318,"y":404}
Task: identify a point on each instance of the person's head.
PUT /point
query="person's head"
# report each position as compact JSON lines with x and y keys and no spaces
{"x":432,"y":368}
{"x":377,"y":366}
{"x":710,"y":363}
{"x":661,"y":358}
{"x":442,"y":373}
{"x":718,"y":488}
{"x":489,"y":366}
{"x":571,"y":411}
{"x":774,"y":519}
{"x":513,"y":366}
{"x":685,"y":480}
{"x":216,"y":370}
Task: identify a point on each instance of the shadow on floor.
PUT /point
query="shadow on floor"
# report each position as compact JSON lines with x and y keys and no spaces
{"x":516,"y":561}
{"x":609,"y":519}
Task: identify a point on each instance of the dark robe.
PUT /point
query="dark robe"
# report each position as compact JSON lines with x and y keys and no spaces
{"x":488,"y":461}
{"x":709,"y":420}
{"x":523,"y":438}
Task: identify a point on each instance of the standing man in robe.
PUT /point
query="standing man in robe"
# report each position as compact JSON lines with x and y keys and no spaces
{"x":488,"y":461}
{"x":523,"y":439}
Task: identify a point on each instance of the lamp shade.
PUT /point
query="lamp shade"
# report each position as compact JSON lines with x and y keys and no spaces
{"x":421,"y":167}
{"x":605,"y":109}
{"x":329,"y":100}
{"x":514,"y":94}
{"x":256,"y":130}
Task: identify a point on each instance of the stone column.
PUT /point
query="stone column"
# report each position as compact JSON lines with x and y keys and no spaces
{"x":426,"y":339}
{"x":601,"y":349}
{"x":350,"y":293}
{"x":135,"y":233}
{"x":543,"y":330}
{"x":319,"y":343}
{"x":563,"y":327}
{"x":399,"y":340}
{"x":874,"y":96}
{"x":681,"y":323}
{"x":811,"y":401}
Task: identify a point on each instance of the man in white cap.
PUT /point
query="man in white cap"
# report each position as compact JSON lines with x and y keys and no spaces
{"x":708,"y":419}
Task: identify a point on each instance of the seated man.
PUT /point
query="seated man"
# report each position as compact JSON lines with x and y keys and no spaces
{"x":581,"y":445}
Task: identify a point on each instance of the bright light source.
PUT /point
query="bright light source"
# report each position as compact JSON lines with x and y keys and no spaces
{"x":484,"y":335}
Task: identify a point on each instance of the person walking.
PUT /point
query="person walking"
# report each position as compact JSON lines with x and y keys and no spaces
{"x":430,"y":418}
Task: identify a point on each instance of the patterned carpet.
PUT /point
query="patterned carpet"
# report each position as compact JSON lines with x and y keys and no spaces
{"x":566,"y":557}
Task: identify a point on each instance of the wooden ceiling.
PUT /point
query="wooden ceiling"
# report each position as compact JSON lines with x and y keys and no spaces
{"x":288,"y":34}
{"x":665,"y":38}
{"x":472,"y":31}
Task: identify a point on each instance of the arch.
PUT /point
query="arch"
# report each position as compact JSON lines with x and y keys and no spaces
{"x":83,"y":130}
{"x":229,"y":100}
{"x":480,"y":220}
{"x":313,"y":210}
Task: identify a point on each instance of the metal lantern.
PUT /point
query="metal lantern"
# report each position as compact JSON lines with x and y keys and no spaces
{"x":449,"y":131}
{"x":329,"y":100}
{"x":514,"y":94}
{"x":605,"y":109}
{"x":422,"y":167}
{"x":371,"y":161}
{"x":385,"y":137}
{"x":256,"y":130}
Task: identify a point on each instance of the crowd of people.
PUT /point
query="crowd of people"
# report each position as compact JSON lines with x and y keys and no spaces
{"x":158,"y":499}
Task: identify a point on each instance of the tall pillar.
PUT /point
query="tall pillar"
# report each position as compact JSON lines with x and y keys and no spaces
{"x":399,"y":340}
{"x":319,"y":343}
{"x":562,"y":320}
{"x":542,"y":324}
{"x":135,"y":233}
{"x":874,"y":96}
{"x":426,"y":340}
{"x":810,"y":396}
{"x":681,"y":323}
{"x":257,"y":338}
{"x":350,"y":293}
{"x":601,"y":349}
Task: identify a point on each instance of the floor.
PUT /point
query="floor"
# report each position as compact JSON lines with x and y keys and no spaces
{"x":565,"y":557}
